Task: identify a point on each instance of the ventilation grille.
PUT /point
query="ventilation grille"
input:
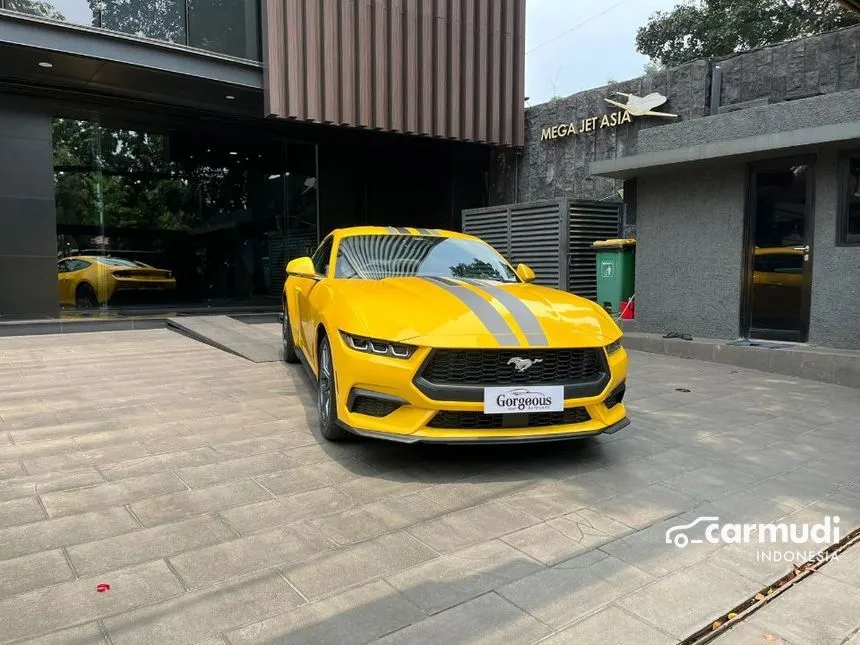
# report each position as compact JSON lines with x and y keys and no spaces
{"x":527,"y":233}
{"x":373,"y":407}
{"x":535,"y":240}
{"x":588,"y":223}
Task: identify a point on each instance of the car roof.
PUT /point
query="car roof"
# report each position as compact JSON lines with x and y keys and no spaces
{"x":397,"y":230}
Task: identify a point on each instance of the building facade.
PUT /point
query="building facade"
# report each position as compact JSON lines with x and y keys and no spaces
{"x":741,"y":182}
{"x":174,"y":155}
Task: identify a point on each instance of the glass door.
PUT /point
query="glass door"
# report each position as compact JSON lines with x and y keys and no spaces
{"x":778,"y":251}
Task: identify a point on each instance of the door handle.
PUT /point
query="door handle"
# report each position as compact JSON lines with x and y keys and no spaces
{"x":805,"y":249}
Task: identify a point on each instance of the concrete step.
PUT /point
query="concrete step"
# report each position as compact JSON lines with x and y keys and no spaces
{"x":837,"y":366}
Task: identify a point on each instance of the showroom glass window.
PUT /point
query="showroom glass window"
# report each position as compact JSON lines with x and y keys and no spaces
{"x":849,"y":220}
{"x":229,"y":27}
{"x":179,"y":216}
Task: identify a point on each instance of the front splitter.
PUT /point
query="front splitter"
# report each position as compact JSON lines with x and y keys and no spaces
{"x":615,"y":427}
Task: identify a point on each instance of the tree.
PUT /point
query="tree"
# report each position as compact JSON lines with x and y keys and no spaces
{"x":651,"y":68}
{"x":703,"y":28}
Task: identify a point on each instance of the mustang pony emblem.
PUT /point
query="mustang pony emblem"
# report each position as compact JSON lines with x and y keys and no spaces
{"x":642,"y":105}
{"x":522,"y":364}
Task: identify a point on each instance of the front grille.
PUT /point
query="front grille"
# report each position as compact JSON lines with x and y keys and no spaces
{"x":481,"y":421}
{"x":498,"y":367}
{"x":373,"y":406}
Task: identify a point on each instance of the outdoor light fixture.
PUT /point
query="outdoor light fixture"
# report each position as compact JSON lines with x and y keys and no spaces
{"x":233,"y":152}
{"x":45,"y":64}
{"x":229,"y":97}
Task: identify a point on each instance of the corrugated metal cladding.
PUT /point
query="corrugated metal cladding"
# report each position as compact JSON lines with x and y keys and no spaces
{"x":440,"y":68}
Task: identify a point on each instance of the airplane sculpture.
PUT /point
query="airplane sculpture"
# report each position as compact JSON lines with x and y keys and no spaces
{"x":642,"y":105}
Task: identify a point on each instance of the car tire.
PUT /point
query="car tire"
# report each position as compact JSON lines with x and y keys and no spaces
{"x":327,"y":395}
{"x":290,"y":355}
{"x":85,"y":297}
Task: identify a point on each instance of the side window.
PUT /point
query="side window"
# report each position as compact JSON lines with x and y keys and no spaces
{"x":63,"y":266}
{"x":80,"y":265}
{"x":849,"y":224}
{"x":322,"y":257}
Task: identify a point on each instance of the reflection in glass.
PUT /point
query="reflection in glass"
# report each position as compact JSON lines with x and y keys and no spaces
{"x":852,"y":233}
{"x":160,"y":19}
{"x":373,"y":257}
{"x":224,"y":26}
{"x":77,"y":11}
{"x":178,"y":217}
{"x":779,"y":276}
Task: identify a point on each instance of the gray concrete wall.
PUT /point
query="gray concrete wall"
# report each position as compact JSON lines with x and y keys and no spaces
{"x":835,"y":316}
{"x":28,"y":242}
{"x":689,"y":251}
{"x":784,"y":118}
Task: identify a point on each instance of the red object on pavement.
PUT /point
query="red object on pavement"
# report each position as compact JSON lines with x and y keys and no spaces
{"x":102,"y":587}
{"x":627,"y":310}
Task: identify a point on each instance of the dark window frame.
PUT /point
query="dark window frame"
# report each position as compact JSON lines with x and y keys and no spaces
{"x":843,"y":186}
{"x":320,"y":256}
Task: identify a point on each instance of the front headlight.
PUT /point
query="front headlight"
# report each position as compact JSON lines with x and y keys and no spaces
{"x":377,"y":347}
{"x":611,"y":348}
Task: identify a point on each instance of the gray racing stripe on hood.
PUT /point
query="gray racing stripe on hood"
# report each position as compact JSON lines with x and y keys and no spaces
{"x":391,"y":230}
{"x":489,"y":317}
{"x":527,"y":321}
{"x":403,"y":229}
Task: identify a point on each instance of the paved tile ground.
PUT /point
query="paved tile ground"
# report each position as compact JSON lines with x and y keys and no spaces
{"x":195,"y":484}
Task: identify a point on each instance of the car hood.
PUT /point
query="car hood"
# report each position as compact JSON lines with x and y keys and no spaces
{"x":452,"y":313}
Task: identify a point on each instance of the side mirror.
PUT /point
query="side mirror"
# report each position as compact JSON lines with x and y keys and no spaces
{"x":525,"y":273}
{"x":303,"y":267}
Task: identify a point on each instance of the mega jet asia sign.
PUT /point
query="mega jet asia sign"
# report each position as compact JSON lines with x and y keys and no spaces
{"x":635,"y":106}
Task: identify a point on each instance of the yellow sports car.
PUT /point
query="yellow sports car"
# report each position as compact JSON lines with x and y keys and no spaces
{"x":425,"y":335}
{"x":88,"y":281}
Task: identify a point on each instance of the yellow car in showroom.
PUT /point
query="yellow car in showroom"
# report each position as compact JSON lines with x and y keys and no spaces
{"x":88,"y":281}
{"x":418,"y":335}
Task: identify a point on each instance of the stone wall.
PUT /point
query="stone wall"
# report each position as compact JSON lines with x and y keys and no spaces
{"x":797,"y":69}
{"x":559,"y":167}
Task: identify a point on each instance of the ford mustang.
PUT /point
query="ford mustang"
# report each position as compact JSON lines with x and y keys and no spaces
{"x":419,"y":335}
{"x":89,"y":281}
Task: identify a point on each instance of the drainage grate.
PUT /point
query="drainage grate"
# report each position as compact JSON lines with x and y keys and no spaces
{"x":751,"y":605}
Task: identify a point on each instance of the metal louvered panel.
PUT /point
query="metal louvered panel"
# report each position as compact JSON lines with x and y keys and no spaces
{"x":553,"y":237}
{"x":589,"y":222}
{"x":535,"y":240}
{"x":527,"y":233}
{"x":491,"y":225}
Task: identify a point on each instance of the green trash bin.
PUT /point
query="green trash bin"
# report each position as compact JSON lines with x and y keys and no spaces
{"x":616,"y":267}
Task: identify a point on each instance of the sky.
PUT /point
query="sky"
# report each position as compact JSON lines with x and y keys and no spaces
{"x":601,"y":46}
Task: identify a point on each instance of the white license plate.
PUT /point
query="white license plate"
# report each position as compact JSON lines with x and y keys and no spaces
{"x":513,"y":400}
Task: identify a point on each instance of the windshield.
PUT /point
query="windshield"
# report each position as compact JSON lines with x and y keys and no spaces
{"x":373,"y":257}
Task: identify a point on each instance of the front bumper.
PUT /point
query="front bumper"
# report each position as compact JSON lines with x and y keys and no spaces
{"x":392,"y":378}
